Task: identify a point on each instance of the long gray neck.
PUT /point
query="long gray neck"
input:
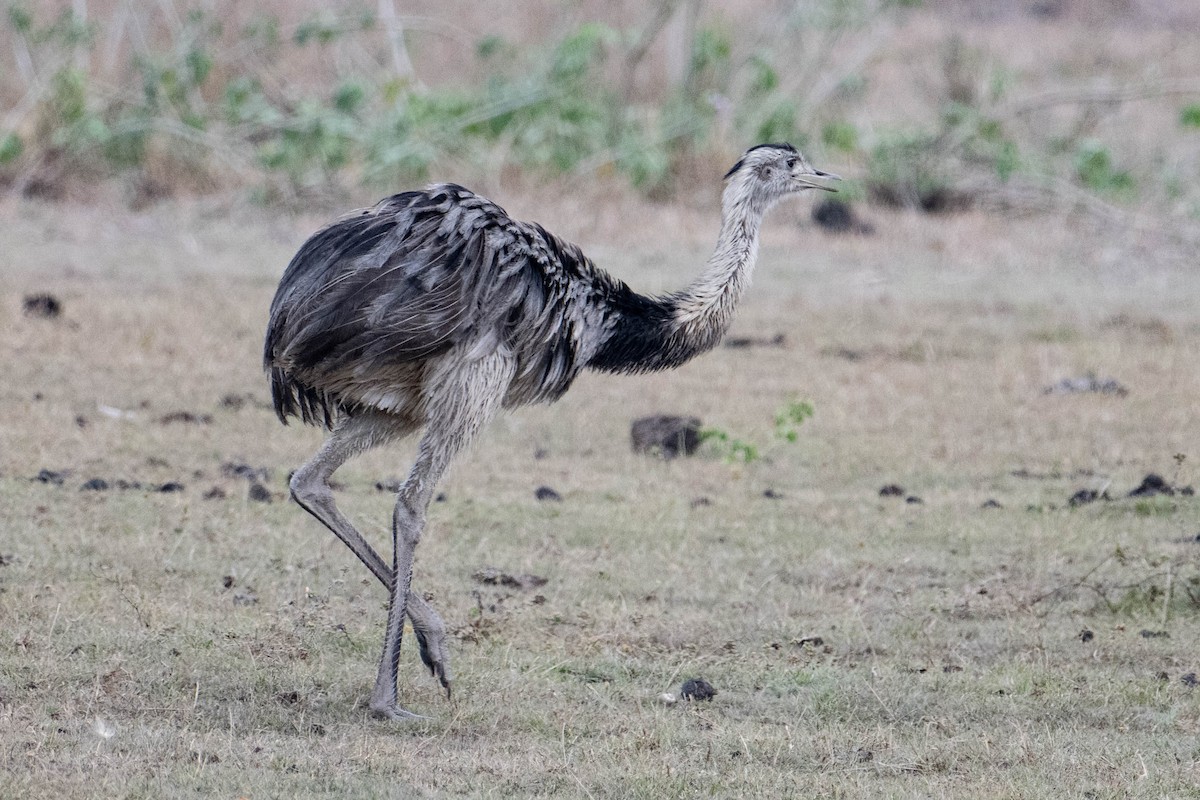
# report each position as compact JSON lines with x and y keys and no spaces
{"x":705,"y":308}
{"x":647,"y":334}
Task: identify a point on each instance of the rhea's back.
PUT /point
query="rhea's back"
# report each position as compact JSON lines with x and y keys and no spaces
{"x":369,"y":303}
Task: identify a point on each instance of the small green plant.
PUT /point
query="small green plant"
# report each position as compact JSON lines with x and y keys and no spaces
{"x":840,"y":135}
{"x":1094,"y":167}
{"x":1189,"y":116}
{"x":732,"y":450}
{"x":1156,"y":507}
{"x":908,"y":169}
{"x":789,"y":419}
{"x":11,"y":147}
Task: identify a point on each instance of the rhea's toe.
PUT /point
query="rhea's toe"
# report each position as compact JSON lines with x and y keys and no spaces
{"x":393,"y":712}
{"x":435,"y":656}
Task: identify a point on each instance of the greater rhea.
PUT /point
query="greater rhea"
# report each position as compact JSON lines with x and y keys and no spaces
{"x":434,"y":309}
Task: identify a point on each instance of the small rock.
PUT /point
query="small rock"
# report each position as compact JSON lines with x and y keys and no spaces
{"x":991,"y":503}
{"x":46,"y":306}
{"x":95,"y":485}
{"x":891,"y":490}
{"x":215,"y":493}
{"x":1086,"y":636}
{"x":246,"y":598}
{"x":697,"y":689}
{"x":1087,"y":384}
{"x":837,"y":216}
{"x":227,"y":581}
{"x":237,"y":469}
{"x":913,"y":500}
{"x":186,"y":417}
{"x":260,"y":493}
{"x":546,"y":493}
{"x":1085,"y":496}
{"x":1190,"y":679}
{"x":771,"y":494}
{"x":50,"y":476}
{"x":1154,"y":484}
{"x":665,"y":436}
{"x":235,"y":402}
{"x":847,"y":353}
{"x":170,"y":486}
{"x":494,"y":577}
{"x":738,"y":342}
{"x":702,"y":502}
{"x":1146,"y":633}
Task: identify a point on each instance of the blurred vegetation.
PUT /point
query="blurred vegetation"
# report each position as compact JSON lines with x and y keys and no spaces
{"x":196,"y":111}
{"x":734,"y":450}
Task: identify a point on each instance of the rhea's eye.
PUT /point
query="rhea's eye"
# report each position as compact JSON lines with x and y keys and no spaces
{"x":791,"y":163}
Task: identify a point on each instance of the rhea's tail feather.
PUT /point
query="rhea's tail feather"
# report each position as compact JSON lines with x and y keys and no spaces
{"x":294,"y":399}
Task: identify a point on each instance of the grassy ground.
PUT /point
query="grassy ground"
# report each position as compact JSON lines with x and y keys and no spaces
{"x":202,"y":642}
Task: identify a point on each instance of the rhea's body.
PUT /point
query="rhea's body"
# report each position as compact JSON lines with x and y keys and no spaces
{"x":435,"y":309}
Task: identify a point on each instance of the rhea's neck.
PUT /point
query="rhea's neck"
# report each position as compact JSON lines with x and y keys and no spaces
{"x":648,"y":334}
{"x":705,"y":308}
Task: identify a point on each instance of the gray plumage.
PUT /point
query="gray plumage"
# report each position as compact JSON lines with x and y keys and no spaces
{"x":435,"y":309}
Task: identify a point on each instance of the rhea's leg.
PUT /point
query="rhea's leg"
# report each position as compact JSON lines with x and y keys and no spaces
{"x":461,"y":397}
{"x":310,"y":488}
{"x":408,"y":522}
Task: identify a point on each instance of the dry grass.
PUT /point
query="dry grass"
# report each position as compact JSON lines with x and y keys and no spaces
{"x":950,"y":662}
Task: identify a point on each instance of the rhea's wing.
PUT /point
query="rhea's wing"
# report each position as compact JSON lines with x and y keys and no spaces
{"x":401,"y":282}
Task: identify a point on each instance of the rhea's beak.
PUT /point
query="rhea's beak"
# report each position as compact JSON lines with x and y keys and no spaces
{"x":806,"y":180}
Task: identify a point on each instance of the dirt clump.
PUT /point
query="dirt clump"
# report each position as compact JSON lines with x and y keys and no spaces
{"x":738,"y":342}
{"x":546,"y":494}
{"x":837,"y":216}
{"x":238,"y":469}
{"x":1154,"y":484}
{"x":665,"y":435}
{"x":50,"y":476}
{"x":43,"y":305}
{"x":1087,"y":384}
{"x":492,"y":576}
{"x":259,"y":493}
{"x":1085,"y":496}
{"x":185,"y":417}
{"x":697,"y":689}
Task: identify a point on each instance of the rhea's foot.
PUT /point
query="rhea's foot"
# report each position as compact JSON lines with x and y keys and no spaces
{"x":392,"y":711}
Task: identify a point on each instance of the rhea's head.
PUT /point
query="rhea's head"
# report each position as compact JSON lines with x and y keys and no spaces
{"x":767,"y":173}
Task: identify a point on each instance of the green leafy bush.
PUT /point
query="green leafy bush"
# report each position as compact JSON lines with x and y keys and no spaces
{"x":1094,"y":167}
{"x":1189,"y":116}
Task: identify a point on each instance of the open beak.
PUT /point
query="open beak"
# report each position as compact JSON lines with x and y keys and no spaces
{"x":807,"y":181}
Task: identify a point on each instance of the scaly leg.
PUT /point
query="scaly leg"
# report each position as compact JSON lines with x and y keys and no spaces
{"x":461,"y":397}
{"x":310,"y":488}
